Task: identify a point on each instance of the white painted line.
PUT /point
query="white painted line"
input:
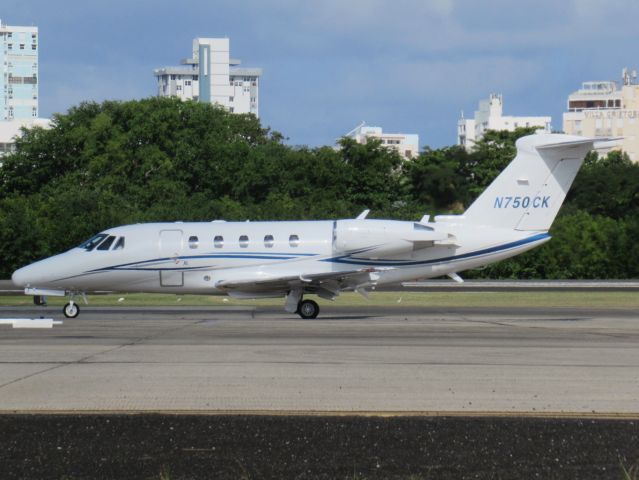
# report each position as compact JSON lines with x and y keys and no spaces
{"x":30,"y":322}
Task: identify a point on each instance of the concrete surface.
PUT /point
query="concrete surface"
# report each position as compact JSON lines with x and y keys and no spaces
{"x":395,"y":359}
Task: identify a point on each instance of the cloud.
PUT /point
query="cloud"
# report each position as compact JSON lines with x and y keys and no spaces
{"x":329,"y":64}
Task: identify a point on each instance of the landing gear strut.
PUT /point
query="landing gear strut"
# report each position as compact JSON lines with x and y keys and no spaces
{"x":71,"y":310}
{"x":308,"y":309}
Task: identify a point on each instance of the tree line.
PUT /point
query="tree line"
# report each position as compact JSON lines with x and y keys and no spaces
{"x":160,"y":159}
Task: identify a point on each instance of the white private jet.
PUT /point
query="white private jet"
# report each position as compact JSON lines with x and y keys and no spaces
{"x":292,"y":259}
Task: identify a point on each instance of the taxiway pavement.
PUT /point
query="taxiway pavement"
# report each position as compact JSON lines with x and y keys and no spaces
{"x":396,"y":359}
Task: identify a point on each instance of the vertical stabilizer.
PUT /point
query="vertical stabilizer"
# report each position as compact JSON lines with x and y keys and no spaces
{"x":527,"y":195}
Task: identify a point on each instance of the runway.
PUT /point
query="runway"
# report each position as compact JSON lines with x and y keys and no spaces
{"x":396,"y":360}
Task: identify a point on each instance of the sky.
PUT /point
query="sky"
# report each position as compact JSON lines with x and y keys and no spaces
{"x":409,"y":66}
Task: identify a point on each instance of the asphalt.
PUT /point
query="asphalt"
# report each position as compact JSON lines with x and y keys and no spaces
{"x":367,"y":393}
{"x":235,"y":447}
{"x":392,"y":360}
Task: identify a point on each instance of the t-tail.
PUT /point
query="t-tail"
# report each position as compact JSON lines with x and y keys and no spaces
{"x":527,"y":195}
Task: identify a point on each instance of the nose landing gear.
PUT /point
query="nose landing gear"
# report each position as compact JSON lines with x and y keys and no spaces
{"x":71,"y":310}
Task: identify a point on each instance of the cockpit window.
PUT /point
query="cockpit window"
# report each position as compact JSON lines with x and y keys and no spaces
{"x":107,"y":243}
{"x":92,"y":242}
{"x":119,"y":245}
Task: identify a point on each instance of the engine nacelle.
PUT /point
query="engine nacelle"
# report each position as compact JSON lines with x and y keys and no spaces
{"x":380,"y":238}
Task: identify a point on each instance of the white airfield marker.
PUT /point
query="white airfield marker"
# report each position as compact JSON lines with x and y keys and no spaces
{"x":30,"y":322}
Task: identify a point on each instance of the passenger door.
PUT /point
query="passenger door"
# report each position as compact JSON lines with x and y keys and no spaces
{"x":170,"y":246}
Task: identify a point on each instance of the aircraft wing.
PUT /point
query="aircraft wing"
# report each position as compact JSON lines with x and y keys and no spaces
{"x":326,"y":285}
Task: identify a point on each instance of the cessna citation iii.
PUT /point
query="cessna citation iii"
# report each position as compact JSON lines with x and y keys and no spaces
{"x":293,"y":259}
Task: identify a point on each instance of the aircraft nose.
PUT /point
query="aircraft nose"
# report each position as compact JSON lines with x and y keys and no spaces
{"x":21,"y":277}
{"x":25,"y":276}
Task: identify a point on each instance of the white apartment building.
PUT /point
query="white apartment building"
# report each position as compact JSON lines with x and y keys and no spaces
{"x":603,"y":109}
{"x":490,"y":117}
{"x":10,"y":130}
{"x":407,"y":144}
{"x":212,"y":76}
{"x":19,"y":79}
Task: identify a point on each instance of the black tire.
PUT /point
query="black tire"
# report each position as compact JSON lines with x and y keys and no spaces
{"x":71,"y":310}
{"x":308,"y":309}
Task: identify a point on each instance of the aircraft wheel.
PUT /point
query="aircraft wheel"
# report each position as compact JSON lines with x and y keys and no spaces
{"x":308,"y":309}
{"x":71,"y":310}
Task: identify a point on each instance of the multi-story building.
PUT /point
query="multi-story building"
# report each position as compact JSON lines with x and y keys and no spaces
{"x":211,"y":76}
{"x":603,"y":109}
{"x":19,"y":78}
{"x":407,"y":144}
{"x":12,"y":129}
{"x":490,"y":117}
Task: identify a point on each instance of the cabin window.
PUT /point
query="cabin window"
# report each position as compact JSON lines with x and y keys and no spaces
{"x":244,"y":241}
{"x":107,"y":243}
{"x":119,"y":245}
{"x":193,"y":241}
{"x":294,"y":241}
{"x":218,"y":241}
{"x":92,"y":242}
{"x":269,"y":241}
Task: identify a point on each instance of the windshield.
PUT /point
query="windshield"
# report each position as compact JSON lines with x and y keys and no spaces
{"x":107,"y":243}
{"x":91,"y":243}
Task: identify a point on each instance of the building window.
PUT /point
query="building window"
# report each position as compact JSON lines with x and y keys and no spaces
{"x":10,"y":46}
{"x":244,"y":241}
{"x":231,"y":99}
{"x":193,"y":241}
{"x":172,"y":77}
{"x":187,"y":82}
{"x":231,"y":109}
{"x":34,"y":47}
{"x":22,"y":46}
{"x":269,"y":241}
{"x":179,"y":87}
{"x":294,"y":241}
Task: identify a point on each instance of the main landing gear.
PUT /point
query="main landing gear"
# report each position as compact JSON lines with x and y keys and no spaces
{"x":308,"y":309}
{"x":304,"y":308}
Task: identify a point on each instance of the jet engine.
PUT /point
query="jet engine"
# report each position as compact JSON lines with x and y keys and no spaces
{"x":374,"y":239}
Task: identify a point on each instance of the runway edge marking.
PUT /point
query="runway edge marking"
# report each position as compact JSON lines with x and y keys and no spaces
{"x":331,"y":413}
